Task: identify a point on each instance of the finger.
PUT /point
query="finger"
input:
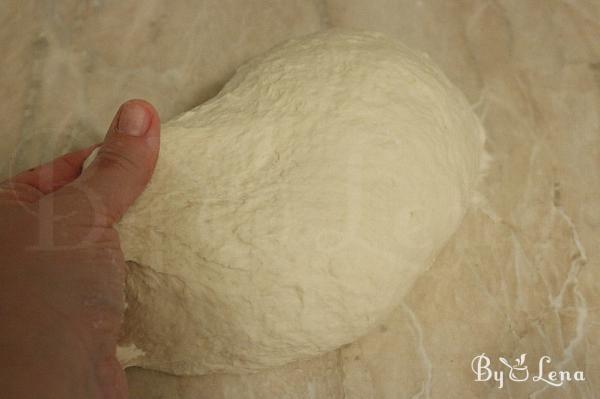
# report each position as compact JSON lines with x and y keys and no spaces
{"x":31,"y":185}
{"x":54,"y":174}
{"x":124,"y":164}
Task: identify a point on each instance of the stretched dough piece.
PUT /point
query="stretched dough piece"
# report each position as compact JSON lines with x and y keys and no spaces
{"x":291,"y":213}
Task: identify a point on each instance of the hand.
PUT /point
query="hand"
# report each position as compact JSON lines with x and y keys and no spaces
{"x":62,"y":269}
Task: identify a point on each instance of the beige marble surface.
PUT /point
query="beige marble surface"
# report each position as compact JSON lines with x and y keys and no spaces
{"x":522,"y":274}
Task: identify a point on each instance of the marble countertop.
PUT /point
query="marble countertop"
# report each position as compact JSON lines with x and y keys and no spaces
{"x":522,"y":274}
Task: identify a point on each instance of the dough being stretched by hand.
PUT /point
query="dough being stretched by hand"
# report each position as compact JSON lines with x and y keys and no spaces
{"x":291,"y":213}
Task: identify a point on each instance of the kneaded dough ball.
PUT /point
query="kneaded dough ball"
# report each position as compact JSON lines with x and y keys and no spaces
{"x":289,"y":215}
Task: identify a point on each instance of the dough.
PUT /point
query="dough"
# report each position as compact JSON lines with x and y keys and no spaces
{"x":289,"y":215}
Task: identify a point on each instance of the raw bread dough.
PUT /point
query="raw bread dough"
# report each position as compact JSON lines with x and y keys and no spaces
{"x":291,"y":213}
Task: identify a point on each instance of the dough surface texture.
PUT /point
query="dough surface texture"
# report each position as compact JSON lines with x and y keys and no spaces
{"x":289,"y":215}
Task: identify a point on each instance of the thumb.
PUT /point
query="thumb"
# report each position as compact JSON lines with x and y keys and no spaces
{"x":125,"y":161}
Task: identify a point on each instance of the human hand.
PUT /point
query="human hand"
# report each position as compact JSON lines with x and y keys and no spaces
{"x":62,"y":269}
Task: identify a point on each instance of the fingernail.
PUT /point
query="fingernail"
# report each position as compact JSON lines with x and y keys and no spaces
{"x":134,"y":120}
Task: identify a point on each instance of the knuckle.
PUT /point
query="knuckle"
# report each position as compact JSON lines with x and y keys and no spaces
{"x":113,"y":156}
{"x":19,"y":192}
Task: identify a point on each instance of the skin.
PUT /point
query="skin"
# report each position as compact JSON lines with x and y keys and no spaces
{"x":62,"y":270}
